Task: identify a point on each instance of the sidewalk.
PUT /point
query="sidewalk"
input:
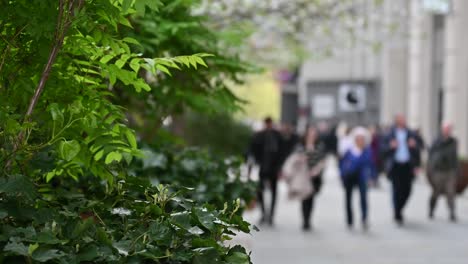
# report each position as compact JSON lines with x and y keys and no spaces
{"x":330,"y":242}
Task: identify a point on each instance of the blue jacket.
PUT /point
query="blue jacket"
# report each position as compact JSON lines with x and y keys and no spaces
{"x":362,"y":164}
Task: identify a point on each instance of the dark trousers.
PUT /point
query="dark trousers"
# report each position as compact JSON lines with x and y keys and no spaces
{"x":402,"y":176}
{"x":270,"y":178}
{"x":350,"y":182}
{"x":308,"y":203}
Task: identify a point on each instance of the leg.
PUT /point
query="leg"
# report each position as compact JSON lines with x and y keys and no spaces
{"x":364,"y":205}
{"x":450,"y":191}
{"x":307,"y":206}
{"x":348,"y":186}
{"x":396,"y":192}
{"x":433,"y":202}
{"x":274,"y":188}
{"x":260,"y":190}
{"x":407,"y":184}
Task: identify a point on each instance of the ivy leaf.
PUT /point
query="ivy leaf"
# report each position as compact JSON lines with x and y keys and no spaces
{"x":42,"y":255}
{"x":3,"y":214}
{"x":89,"y":253}
{"x":17,"y":248}
{"x":69,"y":149}
{"x":56,"y":112}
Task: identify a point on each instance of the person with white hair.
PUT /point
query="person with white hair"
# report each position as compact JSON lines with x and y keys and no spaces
{"x":356,"y":167}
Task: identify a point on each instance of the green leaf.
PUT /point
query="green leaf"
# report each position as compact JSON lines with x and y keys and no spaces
{"x":135,"y":64}
{"x":50,"y":175}
{"x":99,"y":155}
{"x":56,"y":112}
{"x":238,"y":258}
{"x":106,"y":58}
{"x":69,"y":149}
{"x":88,"y":253}
{"x":131,"y":40}
{"x":121,"y":62}
{"x":3,"y":214}
{"x":113,"y":156}
{"x":17,"y":248}
{"x":131,"y":138}
{"x":42,"y":255}
{"x":32,"y":248}
{"x":163,"y":69}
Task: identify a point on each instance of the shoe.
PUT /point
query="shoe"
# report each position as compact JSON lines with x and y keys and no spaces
{"x":431,"y":215}
{"x":262,"y":221}
{"x":306,"y":227}
{"x":399,"y":219}
{"x":453,"y":218}
{"x":365,"y":225}
{"x":270,"y":222}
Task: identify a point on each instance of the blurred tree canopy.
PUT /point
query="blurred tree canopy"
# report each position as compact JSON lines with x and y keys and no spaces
{"x":287,"y":31}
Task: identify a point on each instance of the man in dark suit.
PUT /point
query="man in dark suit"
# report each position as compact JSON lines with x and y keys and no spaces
{"x":401,"y":150}
{"x":266,"y":147}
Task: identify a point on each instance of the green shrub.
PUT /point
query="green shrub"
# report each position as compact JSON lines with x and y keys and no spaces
{"x":135,"y":222}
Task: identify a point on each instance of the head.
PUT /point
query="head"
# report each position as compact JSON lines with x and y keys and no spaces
{"x":268,"y":122}
{"x":361,"y":137}
{"x":400,"y":121}
{"x":311,"y":135}
{"x":446,"y":130}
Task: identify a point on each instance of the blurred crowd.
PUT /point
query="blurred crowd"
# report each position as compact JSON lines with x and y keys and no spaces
{"x":365,"y":155}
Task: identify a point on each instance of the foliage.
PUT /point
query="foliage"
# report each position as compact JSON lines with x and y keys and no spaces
{"x":220,"y":133}
{"x":68,"y":69}
{"x":133,"y":223}
{"x":173,"y":31}
{"x":75,"y":126}
{"x":213,"y":179}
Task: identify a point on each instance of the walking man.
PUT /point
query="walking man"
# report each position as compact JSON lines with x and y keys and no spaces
{"x":401,"y":151}
{"x":442,"y":170}
{"x":266,"y":148}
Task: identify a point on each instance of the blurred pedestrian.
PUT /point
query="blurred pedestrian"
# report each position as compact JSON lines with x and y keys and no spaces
{"x":266,"y":148}
{"x":356,"y":169}
{"x":303,"y":173}
{"x":420,"y":142}
{"x":375,"y":146}
{"x":401,"y":150}
{"x":442,"y":170}
{"x":345,"y":142}
{"x":290,"y":141}
{"x":316,"y":153}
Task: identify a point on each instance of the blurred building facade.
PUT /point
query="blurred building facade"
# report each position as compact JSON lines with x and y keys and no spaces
{"x":420,"y":71}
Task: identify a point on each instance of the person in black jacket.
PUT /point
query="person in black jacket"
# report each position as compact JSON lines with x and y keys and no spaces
{"x":290,"y":141}
{"x":442,"y":170}
{"x":266,"y":147}
{"x":402,"y":151}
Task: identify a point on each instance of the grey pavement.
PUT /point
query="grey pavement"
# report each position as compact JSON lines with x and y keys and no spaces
{"x":420,"y":240}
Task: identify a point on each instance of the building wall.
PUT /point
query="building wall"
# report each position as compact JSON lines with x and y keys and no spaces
{"x":422,"y":72}
{"x":456,"y":72}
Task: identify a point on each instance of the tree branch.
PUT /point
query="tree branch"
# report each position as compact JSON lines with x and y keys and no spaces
{"x":64,"y":19}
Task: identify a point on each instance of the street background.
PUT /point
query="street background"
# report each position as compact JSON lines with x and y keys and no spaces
{"x":420,"y":240}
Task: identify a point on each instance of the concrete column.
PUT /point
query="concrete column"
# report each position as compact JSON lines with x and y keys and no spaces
{"x":456,"y":72}
{"x":419,"y":104}
{"x":394,"y":68}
